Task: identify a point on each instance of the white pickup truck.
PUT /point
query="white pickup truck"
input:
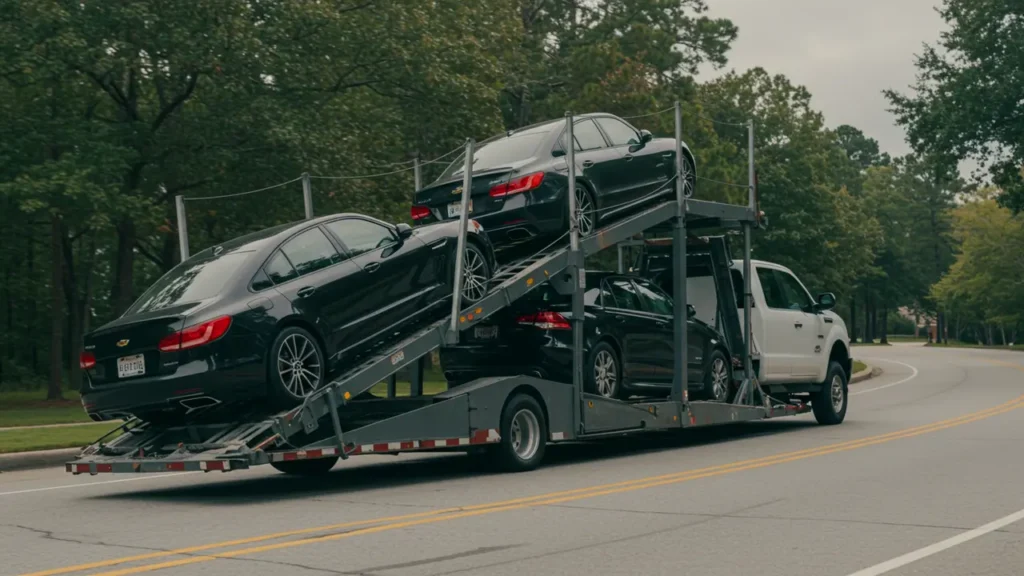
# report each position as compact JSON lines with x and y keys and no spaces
{"x":800,"y":345}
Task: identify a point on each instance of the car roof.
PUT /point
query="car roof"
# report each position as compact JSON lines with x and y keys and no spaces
{"x":259,"y":239}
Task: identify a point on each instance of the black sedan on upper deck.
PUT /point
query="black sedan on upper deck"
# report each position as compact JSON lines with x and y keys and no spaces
{"x":520,"y":178}
{"x":273,"y":314}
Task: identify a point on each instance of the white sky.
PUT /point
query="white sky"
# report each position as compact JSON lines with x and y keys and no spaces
{"x":845,"y":52}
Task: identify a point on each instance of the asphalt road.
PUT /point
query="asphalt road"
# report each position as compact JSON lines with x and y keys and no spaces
{"x":923,"y":478}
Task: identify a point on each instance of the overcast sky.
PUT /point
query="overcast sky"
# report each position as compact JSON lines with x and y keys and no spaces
{"x":845,"y":52}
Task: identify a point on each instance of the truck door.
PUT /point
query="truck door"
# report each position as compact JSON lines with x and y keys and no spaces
{"x":810,"y":337}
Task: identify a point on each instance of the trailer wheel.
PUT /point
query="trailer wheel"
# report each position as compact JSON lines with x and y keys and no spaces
{"x":829,"y":403}
{"x":524,"y":434}
{"x":315,"y":467}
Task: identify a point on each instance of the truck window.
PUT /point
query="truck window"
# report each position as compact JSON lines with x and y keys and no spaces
{"x":796,"y":296}
{"x":774,"y":294}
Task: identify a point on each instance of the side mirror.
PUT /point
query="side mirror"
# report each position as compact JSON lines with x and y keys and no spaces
{"x":646,"y":136}
{"x":404,"y":230}
{"x":826,"y":301}
{"x":690,"y":311}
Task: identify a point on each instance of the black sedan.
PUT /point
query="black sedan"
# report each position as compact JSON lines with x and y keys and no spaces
{"x":628,"y":342}
{"x":272,"y":314}
{"x":520,"y":178}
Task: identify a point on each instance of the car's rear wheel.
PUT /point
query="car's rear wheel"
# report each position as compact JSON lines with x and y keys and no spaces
{"x":603,"y":372}
{"x":297,"y":366}
{"x":717,"y":378}
{"x":689,"y":177}
{"x":476,"y":275}
{"x":314,"y":467}
{"x":586,"y":210}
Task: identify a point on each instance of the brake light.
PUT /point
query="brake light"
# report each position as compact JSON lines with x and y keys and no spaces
{"x":86,"y":360}
{"x":518,"y":185}
{"x":196,"y":335}
{"x":545,"y":321}
{"x":419,"y":212}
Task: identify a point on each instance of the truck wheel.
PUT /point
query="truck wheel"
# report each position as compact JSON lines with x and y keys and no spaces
{"x":717,"y":378}
{"x":296,"y":367}
{"x":524,"y":435}
{"x":603,"y":374}
{"x":316,"y":467}
{"x":829,"y":403}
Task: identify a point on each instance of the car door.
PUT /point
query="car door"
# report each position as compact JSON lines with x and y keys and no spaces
{"x":639,"y":174}
{"x":314,"y":276}
{"x":596,"y":161}
{"x":634,"y":328}
{"x":396,"y":280}
{"x":661,"y":304}
{"x":809,"y":335}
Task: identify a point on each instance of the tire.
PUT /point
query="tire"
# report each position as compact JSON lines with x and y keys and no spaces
{"x":524,"y":435}
{"x":476,"y":275}
{"x":286,"y":390}
{"x":316,"y":467}
{"x":718,"y":385}
{"x":689,"y":177}
{"x":830,"y":403}
{"x":588,"y":212}
{"x":603,"y":371}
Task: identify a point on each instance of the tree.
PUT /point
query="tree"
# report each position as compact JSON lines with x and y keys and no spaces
{"x":966,"y":102}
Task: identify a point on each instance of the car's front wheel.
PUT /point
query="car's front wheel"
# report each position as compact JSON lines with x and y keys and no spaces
{"x":604,"y":374}
{"x":297,"y":366}
{"x":717,"y":377}
{"x":829,"y":403}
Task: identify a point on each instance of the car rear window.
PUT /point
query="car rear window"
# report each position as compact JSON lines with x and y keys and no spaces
{"x":191,"y":281}
{"x":500,"y":152}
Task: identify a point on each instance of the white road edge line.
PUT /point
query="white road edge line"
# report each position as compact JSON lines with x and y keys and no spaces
{"x":907,"y":379}
{"x":927,"y":551}
{"x":86,"y":485}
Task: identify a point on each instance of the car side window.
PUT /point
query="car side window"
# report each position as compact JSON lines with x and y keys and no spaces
{"x":655,"y":300}
{"x":310,"y":251}
{"x":260,"y":281}
{"x":625,"y":295}
{"x":619,"y":133}
{"x":796,"y":296}
{"x":280,"y":269}
{"x":361,"y":236}
{"x":587,"y":136}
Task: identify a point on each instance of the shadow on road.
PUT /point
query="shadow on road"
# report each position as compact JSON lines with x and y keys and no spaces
{"x":346,"y":478}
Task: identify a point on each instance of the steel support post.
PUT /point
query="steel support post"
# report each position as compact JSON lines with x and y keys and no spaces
{"x":179,"y":209}
{"x":393,"y":385}
{"x":307,"y":195}
{"x":416,"y":377}
{"x":620,"y":248}
{"x":417,"y":172}
{"x":679,"y":310}
{"x":748,"y":296}
{"x":460,"y":256}
{"x":578,"y":273}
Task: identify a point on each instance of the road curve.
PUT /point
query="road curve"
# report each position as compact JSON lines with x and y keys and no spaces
{"x":923,"y":478}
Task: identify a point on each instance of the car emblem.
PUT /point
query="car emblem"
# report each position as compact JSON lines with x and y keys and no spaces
{"x":122,"y":343}
{"x":458,"y":190}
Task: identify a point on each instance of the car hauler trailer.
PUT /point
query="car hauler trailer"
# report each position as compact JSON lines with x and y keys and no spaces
{"x":511,"y":418}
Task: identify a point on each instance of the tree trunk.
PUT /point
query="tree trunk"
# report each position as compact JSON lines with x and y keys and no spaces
{"x":884,"y":329}
{"x":853,"y":317}
{"x":57,"y":309}
{"x":32,"y":308}
{"x":989,"y":337}
{"x":868,"y":336}
{"x":123,"y":267}
{"x":917,"y":325}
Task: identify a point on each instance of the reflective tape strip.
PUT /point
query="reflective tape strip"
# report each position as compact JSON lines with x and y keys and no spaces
{"x":486,"y":436}
{"x":214,"y":465}
{"x":303,"y":454}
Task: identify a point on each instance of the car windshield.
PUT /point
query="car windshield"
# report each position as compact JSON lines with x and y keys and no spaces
{"x":193,"y":280}
{"x":500,"y":151}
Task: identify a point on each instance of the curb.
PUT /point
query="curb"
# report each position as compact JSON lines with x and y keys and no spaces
{"x":866,"y":374}
{"x":37,"y":459}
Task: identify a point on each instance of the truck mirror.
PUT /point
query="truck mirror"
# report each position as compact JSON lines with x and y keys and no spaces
{"x":826,"y":301}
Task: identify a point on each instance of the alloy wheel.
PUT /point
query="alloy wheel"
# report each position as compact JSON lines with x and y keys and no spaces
{"x":525,"y":432}
{"x":584,"y":209}
{"x":474,"y":279}
{"x":837,"y":393}
{"x":719,"y":379}
{"x":689,"y":179}
{"x":299,"y":365}
{"x":605,"y":373}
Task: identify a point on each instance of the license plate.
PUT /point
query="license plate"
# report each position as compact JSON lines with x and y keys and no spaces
{"x":486,"y":332}
{"x":128,"y":366}
{"x":455,"y":209}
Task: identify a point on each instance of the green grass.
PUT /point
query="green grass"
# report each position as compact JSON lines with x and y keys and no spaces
{"x":906,"y":338}
{"x":31,"y":408}
{"x":51,"y":438}
{"x":858,"y":366}
{"x":1017,"y":347}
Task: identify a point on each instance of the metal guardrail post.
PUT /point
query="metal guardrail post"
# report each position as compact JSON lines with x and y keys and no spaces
{"x":680,"y":315}
{"x":307,"y":195}
{"x":179,"y":209}
{"x":460,"y":256}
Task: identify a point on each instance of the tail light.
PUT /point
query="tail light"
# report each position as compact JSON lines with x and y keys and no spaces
{"x":518,"y":185}
{"x":196,"y":335}
{"x":86,"y":360}
{"x":419,"y":212}
{"x":545,"y":321}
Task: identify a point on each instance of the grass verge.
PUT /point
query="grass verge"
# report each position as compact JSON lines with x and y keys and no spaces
{"x":31,"y":408}
{"x":15,"y":440}
{"x":859,"y":366}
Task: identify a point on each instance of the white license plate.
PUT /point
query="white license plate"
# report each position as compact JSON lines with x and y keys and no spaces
{"x":128,"y":366}
{"x":486,"y":332}
{"x":455,"y":209}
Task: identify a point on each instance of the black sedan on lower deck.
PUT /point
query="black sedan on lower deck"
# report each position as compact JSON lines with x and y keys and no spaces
{"x":628,"y":342}
{"x":520,"y":179}
{"x":271,"y":315}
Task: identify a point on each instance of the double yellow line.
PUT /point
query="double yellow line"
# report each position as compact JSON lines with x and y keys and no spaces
{"x":333,"y":532}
